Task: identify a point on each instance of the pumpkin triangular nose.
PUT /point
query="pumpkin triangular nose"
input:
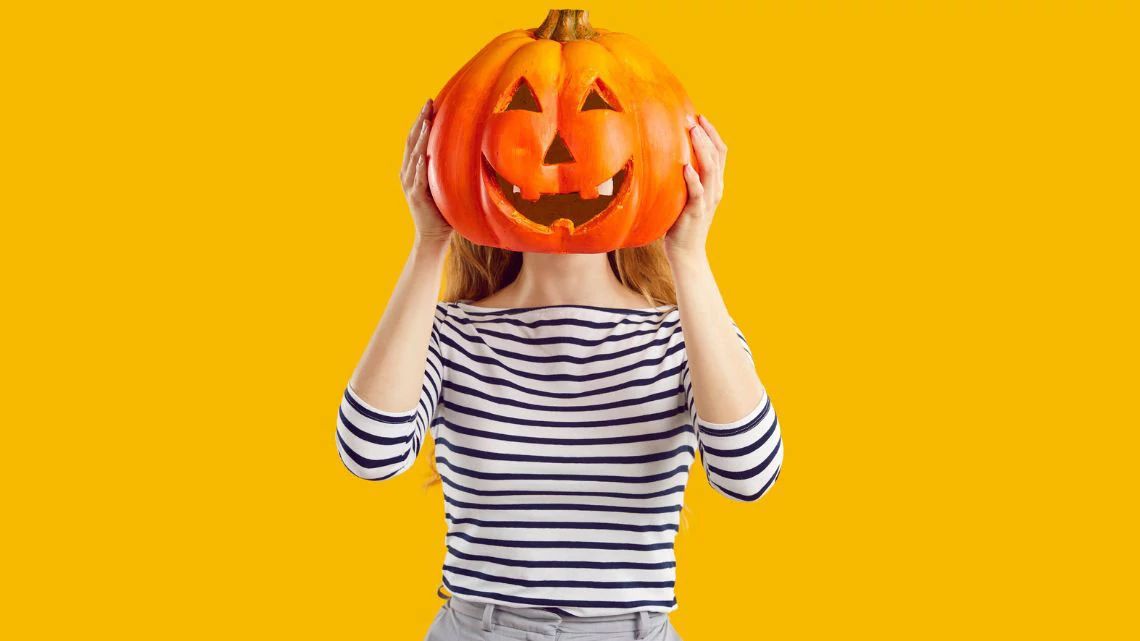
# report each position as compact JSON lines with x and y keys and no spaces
{"x":558,"y":152}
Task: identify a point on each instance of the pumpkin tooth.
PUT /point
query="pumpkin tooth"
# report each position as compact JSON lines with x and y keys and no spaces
{"x":515,"y":189}
{"x":588,"y":193}
{"x":564,"y":223}
{"x":607,"y":188}
{"x":528,"y":194}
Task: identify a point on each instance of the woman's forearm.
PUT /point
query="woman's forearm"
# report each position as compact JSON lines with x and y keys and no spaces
{"x":725,"y":384}
{"x":399,"y":345}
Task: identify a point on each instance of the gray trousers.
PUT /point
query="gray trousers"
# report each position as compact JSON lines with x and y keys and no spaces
{"x":459,"y":619}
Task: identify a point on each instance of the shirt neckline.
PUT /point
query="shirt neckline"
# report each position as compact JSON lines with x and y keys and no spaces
{"x":626,"y":310}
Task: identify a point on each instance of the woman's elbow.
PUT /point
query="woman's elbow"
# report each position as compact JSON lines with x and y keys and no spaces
{"x":375,"y":444}
{"x":370,"y":455}
{"x":749,"y":485}
{"x":357,"y":461}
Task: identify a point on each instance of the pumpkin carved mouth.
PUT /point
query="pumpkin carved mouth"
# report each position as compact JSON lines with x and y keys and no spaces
{"x":571,"y":206}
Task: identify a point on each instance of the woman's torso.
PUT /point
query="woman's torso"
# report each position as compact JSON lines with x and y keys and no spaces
{"x":564,"y":445}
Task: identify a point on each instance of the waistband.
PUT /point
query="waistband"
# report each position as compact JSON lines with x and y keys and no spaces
{"x":638,"y":625}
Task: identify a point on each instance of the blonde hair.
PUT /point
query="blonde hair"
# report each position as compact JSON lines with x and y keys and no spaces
{"x":473,"y":272}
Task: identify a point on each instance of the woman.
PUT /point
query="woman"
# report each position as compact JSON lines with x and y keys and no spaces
{"x":566,"y":407}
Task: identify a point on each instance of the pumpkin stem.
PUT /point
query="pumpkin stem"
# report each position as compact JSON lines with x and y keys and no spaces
{"x":563,"y":25}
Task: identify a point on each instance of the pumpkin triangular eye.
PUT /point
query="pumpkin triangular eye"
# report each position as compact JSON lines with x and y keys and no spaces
{"x":523,"y":99}
{"x":596,"y":101}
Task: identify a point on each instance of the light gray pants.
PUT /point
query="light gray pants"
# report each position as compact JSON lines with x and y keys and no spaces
{"x":461,"y":620}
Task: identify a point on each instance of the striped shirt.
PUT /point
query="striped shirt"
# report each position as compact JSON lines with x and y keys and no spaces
{"x":564,"y":435}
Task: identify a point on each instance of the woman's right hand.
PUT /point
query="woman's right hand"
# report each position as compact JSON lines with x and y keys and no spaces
{"x":430,"y":223}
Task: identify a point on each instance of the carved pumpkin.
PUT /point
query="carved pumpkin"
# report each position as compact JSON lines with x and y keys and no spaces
{"x":561,"y":139}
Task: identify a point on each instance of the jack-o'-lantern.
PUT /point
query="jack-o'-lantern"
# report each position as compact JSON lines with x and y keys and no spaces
{"x":561,"y":139}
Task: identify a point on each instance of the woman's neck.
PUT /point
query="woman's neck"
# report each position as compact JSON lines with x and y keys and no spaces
{"x":558,"y":279}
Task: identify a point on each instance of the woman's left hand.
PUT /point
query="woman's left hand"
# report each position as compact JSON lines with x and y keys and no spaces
{"x":690,"y":232}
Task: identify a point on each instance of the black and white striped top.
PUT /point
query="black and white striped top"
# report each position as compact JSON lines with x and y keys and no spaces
{"x":564,"y":436}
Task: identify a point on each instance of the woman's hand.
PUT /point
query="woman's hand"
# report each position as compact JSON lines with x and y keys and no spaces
{"x":431,"y":226}
{"x":689,"y":233}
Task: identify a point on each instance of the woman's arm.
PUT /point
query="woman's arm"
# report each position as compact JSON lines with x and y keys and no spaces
{"x":736,"y":426}
{"x":392,"y":395}
{"x":725,"y":384}
{"x":399,"y":343}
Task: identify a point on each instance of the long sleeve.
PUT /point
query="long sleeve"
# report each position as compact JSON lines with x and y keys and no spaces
{"x":741,"y":458}
{"x":377,"y":444}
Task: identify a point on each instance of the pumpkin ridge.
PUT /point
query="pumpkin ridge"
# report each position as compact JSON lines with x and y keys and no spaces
{"x":485,"y":114}
{"x":502,"y":46}
{"x":637,"y":199}
{"x":649,"y":71}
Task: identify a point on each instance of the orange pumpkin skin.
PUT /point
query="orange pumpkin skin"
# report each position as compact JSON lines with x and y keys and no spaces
{"x":483,"y":148}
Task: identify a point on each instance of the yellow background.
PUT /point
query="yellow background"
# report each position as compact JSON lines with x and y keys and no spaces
{"x":927,"y":236}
